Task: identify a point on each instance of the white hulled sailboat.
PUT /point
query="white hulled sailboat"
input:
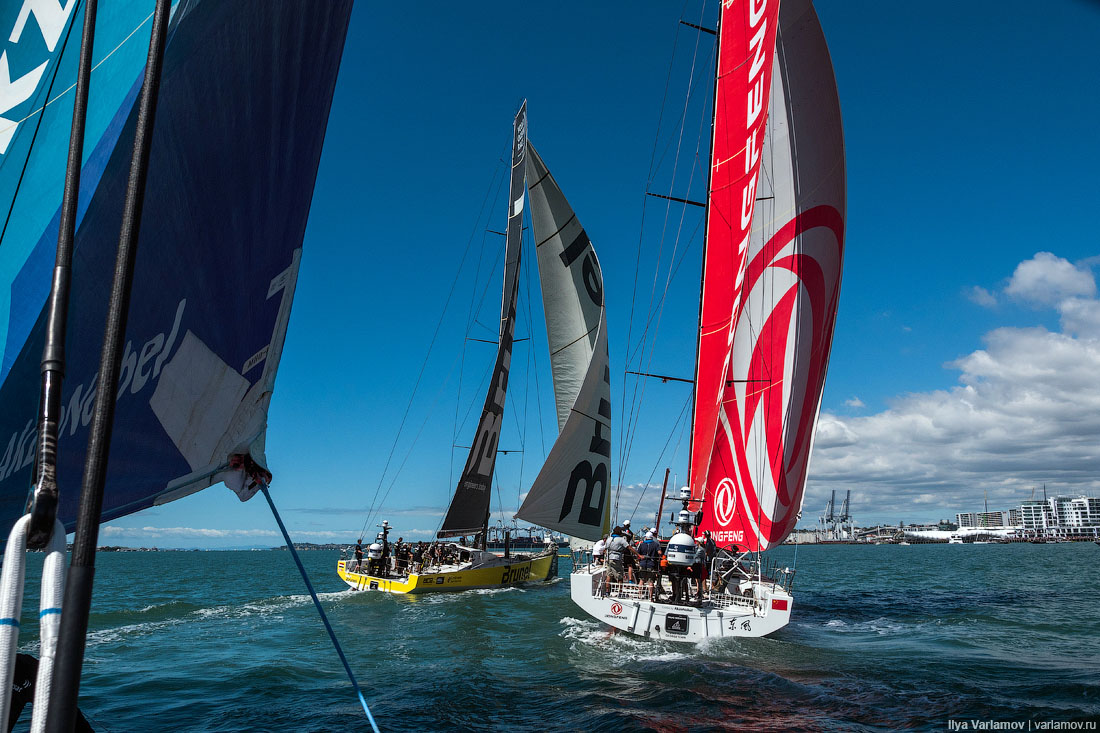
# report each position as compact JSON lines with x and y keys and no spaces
{"x":771,"y":280}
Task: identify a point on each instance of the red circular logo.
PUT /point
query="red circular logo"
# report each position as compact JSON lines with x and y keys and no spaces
{"x":616,"y":608}
{"x":725,"y":502}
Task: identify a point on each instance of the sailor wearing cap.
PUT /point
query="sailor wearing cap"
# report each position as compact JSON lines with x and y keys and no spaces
{"x":649,"y":552}
{"x":616,"y":548}
{"x":627,"y":532}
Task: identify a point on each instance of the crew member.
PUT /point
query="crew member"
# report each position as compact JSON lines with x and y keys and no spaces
{"x":385,"y":553}
{"x":598,"y":550}
{"x":358,"y":554}
{"x":699,"y":569}
{"x":710,"y":548}
{"x":630,"y":559}
{"x":615,"y":550}
{"x":399,"y":562}
{"x":649,"y":553}
{"x":627,"y":532}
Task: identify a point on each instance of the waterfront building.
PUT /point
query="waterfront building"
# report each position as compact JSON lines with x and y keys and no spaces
{"x":1062,"y":516}
{"x":1035,"y":517}
{"x":985,"y":520}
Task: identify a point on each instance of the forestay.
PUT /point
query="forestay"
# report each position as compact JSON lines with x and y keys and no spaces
{"x":787,"y":308}
{"x":571,"y":492}
{"x":244,"y":101}
{"x":469,"y":509}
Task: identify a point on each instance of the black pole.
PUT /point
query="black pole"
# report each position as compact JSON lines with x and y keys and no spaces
{"x":78,"y":586}
{"x":43,"y":506}
{"x":661,"y":508}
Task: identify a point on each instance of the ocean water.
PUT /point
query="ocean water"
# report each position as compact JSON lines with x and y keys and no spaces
{"x":882,"y":638}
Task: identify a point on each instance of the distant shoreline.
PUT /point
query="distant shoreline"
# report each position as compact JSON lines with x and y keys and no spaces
{"x":301,"y":546}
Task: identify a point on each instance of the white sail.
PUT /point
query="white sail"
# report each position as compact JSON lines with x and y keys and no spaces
{"x":571,"y":493}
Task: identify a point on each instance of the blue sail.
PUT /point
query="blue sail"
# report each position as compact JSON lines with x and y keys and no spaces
{"x":244,"y":101}
{"x":38,"y":65}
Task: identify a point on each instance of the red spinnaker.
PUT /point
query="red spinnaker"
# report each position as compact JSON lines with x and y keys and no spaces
{"x":784,"y":308}
{"x":746,"y":45}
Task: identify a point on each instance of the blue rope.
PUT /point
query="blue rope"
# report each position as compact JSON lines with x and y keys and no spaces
{"x":321,"y":611}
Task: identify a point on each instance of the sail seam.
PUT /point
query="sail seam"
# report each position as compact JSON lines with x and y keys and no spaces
{"x":601,"y":421}
{"x":583,"y":335}
{"x":559,"y":230}
{"x":536,"y":184}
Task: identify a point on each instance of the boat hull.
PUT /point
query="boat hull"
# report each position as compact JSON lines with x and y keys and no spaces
{"x":766,"y":612}
{"x":513,"y":571}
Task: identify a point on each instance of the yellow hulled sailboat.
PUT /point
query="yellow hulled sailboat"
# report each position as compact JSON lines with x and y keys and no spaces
{"x":570,"y":494}
{"x":473,"y":568}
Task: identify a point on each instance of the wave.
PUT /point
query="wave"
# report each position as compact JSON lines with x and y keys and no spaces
{"x":617,"y":647}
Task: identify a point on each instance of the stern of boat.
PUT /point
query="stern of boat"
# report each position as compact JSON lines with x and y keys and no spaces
{"x":758,"y":609}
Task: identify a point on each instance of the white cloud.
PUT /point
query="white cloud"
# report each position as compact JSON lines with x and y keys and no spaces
{"x":981,"y":296}
{"x":186,"y":532}
{"x":1046,"y":279}
{"x":854,"y":402}
{"x":1025,"y":411}
{"x":1080,"y":316}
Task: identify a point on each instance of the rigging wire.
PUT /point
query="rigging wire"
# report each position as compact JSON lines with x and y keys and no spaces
{"x":641,"y":236}
{"x":320,"y":610}
{"x":649,"y":181}
{"x":487,"y":373}
{"x":627,"y":441}
{"x":649,"y":481}
{"x":628,"y":420}
{"x":490,"y":194}
{"x":424,"y":365}
{"x":412,"y":445}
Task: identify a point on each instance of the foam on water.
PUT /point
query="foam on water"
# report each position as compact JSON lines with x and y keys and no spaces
{"x":229,"y":642}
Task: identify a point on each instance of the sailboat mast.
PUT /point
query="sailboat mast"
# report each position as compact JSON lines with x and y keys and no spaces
{"x":469,"y":509}
{"x":703,"y":263}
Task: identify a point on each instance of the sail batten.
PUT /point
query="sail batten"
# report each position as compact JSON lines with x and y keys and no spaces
{"x":571,"y":492}
{"x":469,"y":509}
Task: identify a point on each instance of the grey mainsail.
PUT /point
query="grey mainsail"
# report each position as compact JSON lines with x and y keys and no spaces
{"x":571,"y":493}
{"x":469,"y":510}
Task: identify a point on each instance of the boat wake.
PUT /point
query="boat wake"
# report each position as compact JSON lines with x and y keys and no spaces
{"x":586,"y":634}
{"x":128,"y":633}
{"x":881,"y":626}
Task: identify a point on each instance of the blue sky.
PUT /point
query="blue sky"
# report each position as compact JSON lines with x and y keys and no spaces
{"x":968,"y":335}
